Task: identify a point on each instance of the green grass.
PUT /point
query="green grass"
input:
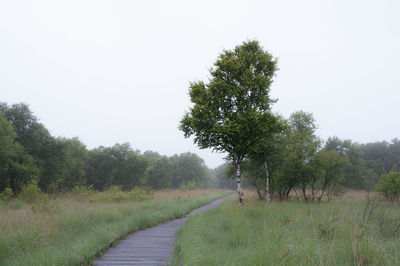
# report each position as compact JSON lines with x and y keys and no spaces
{"x":74,"y":232}
{"x":291,"y":233}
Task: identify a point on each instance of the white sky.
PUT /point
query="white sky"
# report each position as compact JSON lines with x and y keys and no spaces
{"x":118,"y":71}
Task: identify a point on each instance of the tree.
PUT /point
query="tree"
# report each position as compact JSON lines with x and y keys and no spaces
{"x":35,"y":139}
{"x":99,"y":168}
{"x":355,"y":171}
{"x":187,"y":167}
{"x":16,"y":166}
{"x":72,"y":169}
{"x":132,"y":171}
{"x":232,"y":112}
{"x":266,"y":150}
{"x":160,"y":173}
{"x":389,"y":186}
{"x":302,"y":145}
{"x":330,"y":172}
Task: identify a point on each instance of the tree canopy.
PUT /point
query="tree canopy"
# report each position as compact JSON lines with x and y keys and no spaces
{"x":232,"y":112}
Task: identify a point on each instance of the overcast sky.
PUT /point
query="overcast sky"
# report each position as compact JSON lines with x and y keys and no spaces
{"x":118,"y":71}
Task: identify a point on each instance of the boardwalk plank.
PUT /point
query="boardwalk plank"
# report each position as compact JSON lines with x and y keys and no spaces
{"x":152,"y":246}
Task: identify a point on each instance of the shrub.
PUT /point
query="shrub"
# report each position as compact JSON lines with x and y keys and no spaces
{"x":30,"y":192}
{"x":52,"y":188}
{"x":138,"y":194}
{"x":42,"y":203}
{"x":83,"y":190}
{"x":115,"y":194}
{"x":389,"y":186}
{"x":188,"y":186}
{"x":6,"y":194}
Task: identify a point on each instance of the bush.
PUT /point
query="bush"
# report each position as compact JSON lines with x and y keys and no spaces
{"x":52,"y":189}
{"x":6,"y":194}
{"x":30,"y":192}
{"x":138,"y":194}
{"x":115,"y":194}
{"x":188,"y":186}
{"x":389,"y":186}
{"x":42,"y":203}
{"x":83,"y":191}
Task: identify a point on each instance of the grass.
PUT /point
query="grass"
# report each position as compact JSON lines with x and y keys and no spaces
{"x":73,"y":231}
{"x":292,"y":233}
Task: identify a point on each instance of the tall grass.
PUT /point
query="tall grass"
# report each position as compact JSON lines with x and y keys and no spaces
{"x":292,"y":233}
{"x":74,"y":230}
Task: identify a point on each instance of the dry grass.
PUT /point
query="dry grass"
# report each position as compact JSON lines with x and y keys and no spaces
{"x":73,"y":229}
{"x":176,"y":193}
{"x":341,"y":232}
{"x":15,"y":219}
{"x":348,"y":195}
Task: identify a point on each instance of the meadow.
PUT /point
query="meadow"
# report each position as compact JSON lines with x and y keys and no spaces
{"x":351,"y":230}
{"x":74,"y":228}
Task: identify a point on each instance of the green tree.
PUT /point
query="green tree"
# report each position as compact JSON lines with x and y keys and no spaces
{"x":187,"y":167}
{"x":16,"y":166}
{"x":265,"y":152}
{"x":232,"y":112}
{"x":131,"y":172}
{"x":36,"y":141}
{"x":99,"y":168}
{"x":389,"y":186}
{"x":72,"y":168}
{"x":330,"y":173}
{"x":302,"y":146}
{"x":355,"y":172}
{"x":159,"y":173}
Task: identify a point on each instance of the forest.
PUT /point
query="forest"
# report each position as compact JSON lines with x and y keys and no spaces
{"x":297,"y":159}
{"x":29,"y":152}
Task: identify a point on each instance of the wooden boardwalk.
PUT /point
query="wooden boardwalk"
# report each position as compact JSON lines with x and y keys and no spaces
{"x":152,"y":246}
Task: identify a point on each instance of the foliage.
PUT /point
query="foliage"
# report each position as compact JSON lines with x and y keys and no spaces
{"x":6,"y":194}
{"x":159,"y":173}
{"x":232,"y":113}
{"x":188,"y":186}
{"x":389,"y":186}
{"x":16,"y":166}
{"x":83,"y":191}
{"x":330,"y":173}
{"x":35,"y":140}
{"x":187,"y":167}
{"x":72,"y":169}
{"x":30,"y":192}
{"x":115,"y":194}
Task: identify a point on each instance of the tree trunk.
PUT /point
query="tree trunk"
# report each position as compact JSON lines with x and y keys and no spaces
{"x":288,"y":192}
{"x":260,"y":197}
{"x":313,"y":189}
{"x":239,"y":184}
{"x":323,"y":187}
{"x":267,"y":192}
{"x":297,"y":195}
{"x":303,"y":189}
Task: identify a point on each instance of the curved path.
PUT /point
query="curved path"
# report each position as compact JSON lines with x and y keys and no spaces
{"x":152,"y":246}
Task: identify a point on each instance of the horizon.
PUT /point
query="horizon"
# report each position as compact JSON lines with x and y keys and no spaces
{"x":112,"y":72}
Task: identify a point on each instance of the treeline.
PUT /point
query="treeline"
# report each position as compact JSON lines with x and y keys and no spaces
{"x":296,"y":160}
{"x":29,"y":152}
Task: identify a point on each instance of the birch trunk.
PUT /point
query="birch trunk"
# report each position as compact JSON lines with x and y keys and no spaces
{"x":239,"y":185}
{"x":267,"y":192}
